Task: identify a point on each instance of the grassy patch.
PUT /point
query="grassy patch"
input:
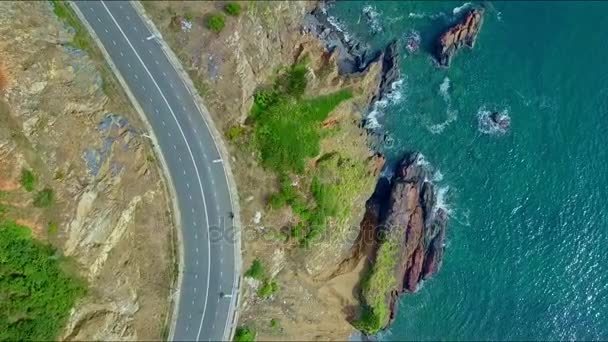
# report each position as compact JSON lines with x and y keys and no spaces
{"x":287,"y":133}
{"x":28,"y":180}
{"x":376,"y":287}
{"x":36,"y":294}
{"x":244,"y":334}
{"x":215,"y":22}
{"x":256,"y":271}
{"x":274,"y":324}
{"x":44,"y":198}
{"x":268,"y":288}
{"x":235,"y":132}
{"x":233,"y":9}
{"x":81,"y":38}
{"x":287,"y":127}
{"x":52,"y":228}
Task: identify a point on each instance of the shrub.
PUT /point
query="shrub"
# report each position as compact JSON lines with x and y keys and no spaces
{"x":244,"y":334}
{"x":52,"y":228}
{"x":44,"y":198}
{"x":235,"y":132}
{"x":274,"y":324}
{"x":37,"y":295}
{"x":233,"y":9}
{"x":256,"y":271}
{"x":215,"y":22}
{"x":268,"y":288}
{"x":28,"y":180}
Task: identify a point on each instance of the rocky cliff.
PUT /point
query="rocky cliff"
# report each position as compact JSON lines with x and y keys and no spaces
{"x":463,"y":33}
{"x":409,"y":240}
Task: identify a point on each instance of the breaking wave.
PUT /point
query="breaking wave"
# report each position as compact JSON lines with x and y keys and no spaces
{"x":487,"y":125}
{"x":452,"y":114}
{"x":459,"y":9}
{"x":373,"y":18}
{"x":395,"y":95}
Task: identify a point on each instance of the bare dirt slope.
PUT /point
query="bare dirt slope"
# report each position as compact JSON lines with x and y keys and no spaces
{"x":80,"y":137}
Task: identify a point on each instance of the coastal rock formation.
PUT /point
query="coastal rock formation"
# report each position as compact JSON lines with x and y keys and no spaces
{"x":353,"y":56}
{"x":463,"y":33}
{"x":411,"y":248}
{"x":412,"y":205}
{"x":390,"y":71}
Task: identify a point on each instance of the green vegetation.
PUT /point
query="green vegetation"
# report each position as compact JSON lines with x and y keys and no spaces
{"x":268,"y":288}
{"x":256,"y":271}
{"x":287,"y":126}
{"x":244,"y":334}
{"x":274,"y":324}
{"x":287,"y":133}
{"x":376,"y":287}
{"x":36,"y":294}
{"x":28,"y":180}
{"x":233,"y":9}
{"x":215,"y":22}
{"x":52,"y":229}
{"x":64,"y":13}
{"x":235,"y":132}
{"x":44,"y":198}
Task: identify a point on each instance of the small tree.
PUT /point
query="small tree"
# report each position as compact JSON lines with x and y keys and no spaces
{"x":268,"y":288}
{"x":244,"y":334}
{"x":215,"y":22}
{"x":28,"y":180}
{"x":233,"y":9}
{"x":44,"y":198}
{"x":256,"y":271}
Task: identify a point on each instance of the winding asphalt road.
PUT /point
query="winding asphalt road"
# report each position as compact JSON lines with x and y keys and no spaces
{"x":194,"y":164}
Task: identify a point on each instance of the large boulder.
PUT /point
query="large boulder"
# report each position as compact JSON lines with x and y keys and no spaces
{"x":463,"y":33}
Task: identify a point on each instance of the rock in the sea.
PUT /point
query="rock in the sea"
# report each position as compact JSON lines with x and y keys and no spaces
{"x":463,"y":33}
{"x":411,"y":220}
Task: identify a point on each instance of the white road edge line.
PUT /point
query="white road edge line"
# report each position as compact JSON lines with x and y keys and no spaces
{"x":191,"y":156}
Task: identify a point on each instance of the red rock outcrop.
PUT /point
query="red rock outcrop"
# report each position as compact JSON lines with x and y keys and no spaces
{"x":463,"y":33}
{"x":411,"y":218}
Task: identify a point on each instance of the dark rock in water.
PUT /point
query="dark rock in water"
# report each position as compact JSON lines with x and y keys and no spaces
{"x":463,"y":33}
{"x":502,"y":120}
{"x":412,"y":41}
{"x":390,"y":71}
{"x":353,"y":56}
{"x":411,"y":218}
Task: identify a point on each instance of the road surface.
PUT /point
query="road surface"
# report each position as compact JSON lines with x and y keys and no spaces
{"x":194,"y":164}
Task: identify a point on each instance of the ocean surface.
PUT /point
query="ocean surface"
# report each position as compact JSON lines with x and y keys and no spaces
{"x":527,"y":249}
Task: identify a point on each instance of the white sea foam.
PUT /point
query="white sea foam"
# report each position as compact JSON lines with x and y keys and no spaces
{"x":395,"y":95}
{"x":424,"y":15}
{"x":441,"y":202}
{"x":444,"y":87}
{"x":338,"y":26}
{"x":459,"y":9}
{"x":485,"y":123}
{"x":452,"y":114}
{"x":437,"y":176}
{"x":373,"y":18}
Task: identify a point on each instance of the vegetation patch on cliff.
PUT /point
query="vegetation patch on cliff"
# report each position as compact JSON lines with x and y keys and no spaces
{"x":288,"y":132}
{"x":378,"y":282}
{"x":36,"y":294}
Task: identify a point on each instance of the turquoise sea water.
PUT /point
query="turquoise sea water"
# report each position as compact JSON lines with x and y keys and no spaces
{"x":527,"y":250}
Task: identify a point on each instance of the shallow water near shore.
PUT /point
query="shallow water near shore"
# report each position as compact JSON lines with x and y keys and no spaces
{"x":526,"y":255}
